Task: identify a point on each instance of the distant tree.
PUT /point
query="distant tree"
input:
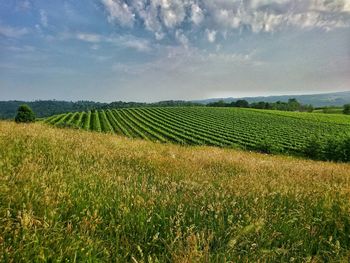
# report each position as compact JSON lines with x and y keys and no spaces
{"x":259,"y":105}
{"x":24,"y":114}
{"x":220,"y":103}
{"x":241,"y":104}
{"x":293,"y":105}
{"x":346,"y":109}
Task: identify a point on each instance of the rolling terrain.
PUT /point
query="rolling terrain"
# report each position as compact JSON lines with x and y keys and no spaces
{"x":262,"y":130}
{"x":317,"y":100}
{"x":74,"y":196}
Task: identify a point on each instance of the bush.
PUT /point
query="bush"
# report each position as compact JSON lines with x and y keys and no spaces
{"x":267,"y":146}
{"x":314,"y":149}
{"x":24,"y":114}
{"x":332,"y":149}
{"x":346,"y":109}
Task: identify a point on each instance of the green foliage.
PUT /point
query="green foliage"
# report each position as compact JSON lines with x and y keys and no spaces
{"x":24,"y":114}
{"x":346,"y":109}
{"x":314,"y":148}
{"x":330,"y":149}
{"x":45,"y":108}
{"x":240,"y":104}
{"x":266,"y":146}
{"x":291,"y":105}
{"x":263,"y":131}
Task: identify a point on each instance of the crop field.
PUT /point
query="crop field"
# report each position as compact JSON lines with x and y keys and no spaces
{"x":73,"y":196}
{"x":224,"y":127}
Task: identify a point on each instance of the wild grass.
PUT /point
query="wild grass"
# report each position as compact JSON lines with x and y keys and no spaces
{"x":73,"y":196}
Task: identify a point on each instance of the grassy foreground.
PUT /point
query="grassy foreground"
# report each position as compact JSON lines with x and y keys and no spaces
{"x":75,"y":196}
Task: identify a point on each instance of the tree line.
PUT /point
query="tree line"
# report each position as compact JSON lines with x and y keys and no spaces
{"x":291,"y":105}
{"x":46,"y":108}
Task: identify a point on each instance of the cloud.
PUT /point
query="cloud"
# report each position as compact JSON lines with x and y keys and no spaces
{"x":124,"y":41}
{"x":24,"y":5}
{"x":43,"y":18}
{"x":166,"y":17}
{"x":211,"y":35}
{"x":181,"y":38}
{"x":119,"y":11}
{"x":91,"y":38}
{"x":184,"y":60}
{"x":197,"y":15}
{"x":141,"y":45}
{"x":13,"y":32}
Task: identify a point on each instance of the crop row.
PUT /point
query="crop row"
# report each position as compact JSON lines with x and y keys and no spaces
{"x":207,"y":126}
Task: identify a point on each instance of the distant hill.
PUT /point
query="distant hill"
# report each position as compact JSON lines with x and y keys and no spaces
{"x":317,"y":100}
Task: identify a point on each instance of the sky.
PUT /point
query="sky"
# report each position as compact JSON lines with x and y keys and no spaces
{"x":152,"y":50}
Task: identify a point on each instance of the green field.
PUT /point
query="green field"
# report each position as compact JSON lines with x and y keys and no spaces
{"x":330,"y":110}
{"x":73,"y":196}
{"x":225,"y":127}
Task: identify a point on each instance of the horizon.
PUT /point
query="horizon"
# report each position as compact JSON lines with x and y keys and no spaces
{"x":148,"y":51}
{"x":194,"y":100}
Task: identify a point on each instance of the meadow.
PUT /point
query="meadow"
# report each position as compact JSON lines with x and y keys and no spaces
{"x":267,"y":131}
{"x":74,"y":196}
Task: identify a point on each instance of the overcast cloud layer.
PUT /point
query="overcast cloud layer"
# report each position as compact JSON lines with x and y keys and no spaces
{"x":149,"y":50}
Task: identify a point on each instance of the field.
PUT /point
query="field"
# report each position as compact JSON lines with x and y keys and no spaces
{"x":263,"y":130}
{"x":75,"y":196}
{"x":331,"y":110}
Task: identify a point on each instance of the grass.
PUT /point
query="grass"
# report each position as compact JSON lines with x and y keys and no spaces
{"x":69,"y":195}
{"x":330,"y":110}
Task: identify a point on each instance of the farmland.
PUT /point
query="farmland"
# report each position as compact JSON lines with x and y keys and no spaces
{"x":266,"y":130}
{"x":73,"y":196}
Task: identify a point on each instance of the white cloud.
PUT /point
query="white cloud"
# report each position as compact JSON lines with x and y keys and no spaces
{"x":211,"y":35}
{"x":197,"y":15}
{"x":166,"y":17}
{"x":141,"y":45}
{"x":43,"y":18}
{"x":127,"y":41}
{"x":92,"y":38}
{"x":119,"y":11}
{"x":172,"y":12}
{"x":347,"y":6}
{"x":13,"y":32}
{"x":180,"y":36}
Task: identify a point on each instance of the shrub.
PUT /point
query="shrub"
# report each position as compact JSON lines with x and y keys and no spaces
{"x":346,"y":109}
{"x":266,"y":146}
{"x":333,"y":150}
{"x":314,"y":148}
{"x":24,"y":114}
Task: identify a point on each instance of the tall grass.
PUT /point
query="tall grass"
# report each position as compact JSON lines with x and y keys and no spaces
{"x":74,"y":196}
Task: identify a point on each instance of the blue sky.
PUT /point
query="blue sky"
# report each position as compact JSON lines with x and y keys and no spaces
{"x":150,"y":50}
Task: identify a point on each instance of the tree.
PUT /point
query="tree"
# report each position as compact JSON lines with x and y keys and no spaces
{"x":346,"y":109}
{"x":293,"y":105}
{"x":24,"y":114}
{"x":241,"y":104}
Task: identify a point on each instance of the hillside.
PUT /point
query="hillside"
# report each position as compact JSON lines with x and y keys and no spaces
{"x":70,"y":195}
{"x":262,"y":130}
{"x":317,"y":100}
